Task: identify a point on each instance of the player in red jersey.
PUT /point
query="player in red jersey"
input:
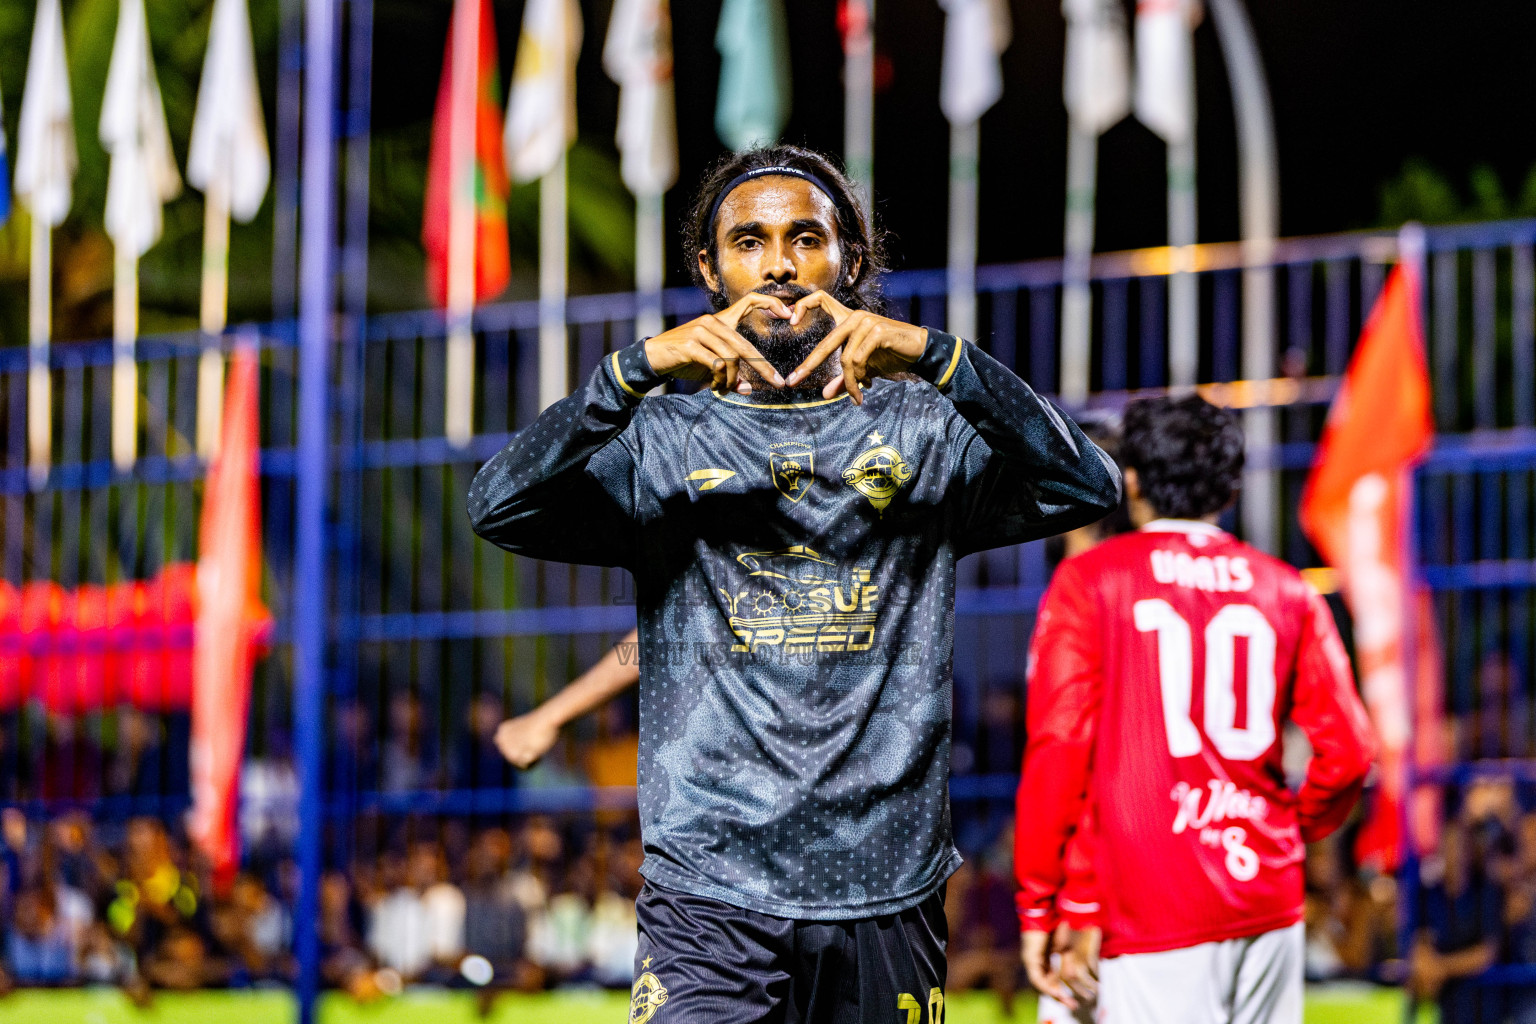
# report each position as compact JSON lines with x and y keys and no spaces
{"x":1152,"y":803}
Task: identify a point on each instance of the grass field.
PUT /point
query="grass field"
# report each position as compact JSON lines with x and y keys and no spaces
{"x":1325,"y":1006}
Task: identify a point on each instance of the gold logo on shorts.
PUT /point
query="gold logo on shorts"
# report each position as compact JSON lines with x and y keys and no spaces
{"x":647,"y":997}
{"x":792,"y":464}
{"x":878,"y":473}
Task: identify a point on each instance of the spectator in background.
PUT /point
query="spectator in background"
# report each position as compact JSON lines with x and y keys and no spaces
{"x":983,"y":945}
{"x":72,"y":768}
{"x":1463,"y":914}
{"x":38,"y":948}
{"x":1499,"y":725}
{"x":612,"y":935}
{"x":269,"y":804}
{"x":353,"y":756}
{"x":495,"y":925}
{"x":1351,"y":920}
{"x":135,"y":768}
{"x":533,"y":881}
{"x":479,"y":764}
{"x":403,"y":767}
{"x":418,"y":928}
{"x":343,"y":962}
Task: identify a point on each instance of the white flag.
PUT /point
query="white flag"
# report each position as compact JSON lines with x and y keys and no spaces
{"x":638,"y":55}
{"x":976,"y":32}
{"x":1097,"y":86}
{"x":541,"y":117}
{"x":45,"y":141}
{"x":229,"y":138}
{"x":143,"y":175}
{"x":1165,"y":68}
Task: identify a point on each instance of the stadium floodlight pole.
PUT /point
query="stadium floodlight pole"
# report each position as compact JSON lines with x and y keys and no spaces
{"x":1259,"y":172}
{"x":859,"y":97}
{"x":311,"y":617}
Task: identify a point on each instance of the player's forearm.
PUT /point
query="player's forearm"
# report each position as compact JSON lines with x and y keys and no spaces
{"x":1052,"y":789}
{"x":1465,"y":963}
{"x":1018,"y":424}
{"x":1331,"y":714}
{"x":533,"y":497}
{"x":618,"y":670}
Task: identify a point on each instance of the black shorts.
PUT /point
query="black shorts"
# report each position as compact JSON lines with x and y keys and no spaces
{"x":702,"y":961}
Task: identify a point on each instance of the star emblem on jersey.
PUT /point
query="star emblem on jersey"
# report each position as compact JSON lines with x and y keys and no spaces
{"x":878,"y":473}
{"x":646,"y":997}
{"x":792,"y":465}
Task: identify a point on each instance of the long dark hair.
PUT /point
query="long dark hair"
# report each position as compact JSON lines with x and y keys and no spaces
{"x":860,"y":240}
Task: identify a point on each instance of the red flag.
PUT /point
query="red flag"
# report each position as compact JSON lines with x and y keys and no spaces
{"x":489,"y":185}
{"x":11,"y":659}
{"x":230,"y":622}
{"x":1354,"y":509}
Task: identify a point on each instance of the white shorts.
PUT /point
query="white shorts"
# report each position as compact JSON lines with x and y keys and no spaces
{"x":1240,"y":981}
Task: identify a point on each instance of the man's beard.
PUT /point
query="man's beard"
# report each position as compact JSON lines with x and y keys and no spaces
{"x":785,"y":346}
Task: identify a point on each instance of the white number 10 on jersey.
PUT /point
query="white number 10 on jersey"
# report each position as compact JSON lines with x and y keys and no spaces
{"x":1176,"y":677}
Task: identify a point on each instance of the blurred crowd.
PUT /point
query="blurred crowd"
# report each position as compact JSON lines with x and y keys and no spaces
{"x":527,"y":906}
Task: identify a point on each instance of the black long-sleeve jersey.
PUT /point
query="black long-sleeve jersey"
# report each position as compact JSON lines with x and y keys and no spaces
{"x":794,"y":568}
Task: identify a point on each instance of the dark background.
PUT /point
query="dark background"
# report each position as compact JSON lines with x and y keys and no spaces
{"x":1359,"y":88}
{"x":1385,"y":111}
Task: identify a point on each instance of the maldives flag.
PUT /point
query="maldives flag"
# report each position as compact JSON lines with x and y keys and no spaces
{"x":466,"y":171}
{"x":1355,"y":511}
{"x":231,"y":622}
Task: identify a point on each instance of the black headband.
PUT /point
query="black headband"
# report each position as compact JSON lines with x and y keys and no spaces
{"x":741,"y":179}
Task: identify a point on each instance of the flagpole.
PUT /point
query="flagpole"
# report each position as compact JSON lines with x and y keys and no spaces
{"x":650,"y":264}
{"x":458,"y":413}
{"x":215,"y":313}
{"x":39,"y":380}
{"x":125,"y":372}
{"x":964,"y":155}
{"x":1183,"y":285}
{"x":859,"y":100}
{"x":553,"y":345}
{"x":1077,"y":295}
{"x":1258,"y":168}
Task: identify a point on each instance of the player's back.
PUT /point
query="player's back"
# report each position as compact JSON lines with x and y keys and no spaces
{"x":1195,"y":830}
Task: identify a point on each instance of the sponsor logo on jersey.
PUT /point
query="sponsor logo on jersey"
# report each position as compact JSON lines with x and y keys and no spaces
{"x":878,"y":473}
{"x":1219,"y":575}
{"x":1225,"y":802}
{"x":646,"y":997}
{"x":798,"y":599}
{"x":792,"y":465}
{"x":712,"y":477}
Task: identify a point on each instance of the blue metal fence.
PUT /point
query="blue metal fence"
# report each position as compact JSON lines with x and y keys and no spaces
{"x":423,"y":623}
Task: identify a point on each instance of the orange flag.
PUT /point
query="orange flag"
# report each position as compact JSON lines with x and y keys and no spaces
{"x":1355,"y":511}
{"x":231,"y":622}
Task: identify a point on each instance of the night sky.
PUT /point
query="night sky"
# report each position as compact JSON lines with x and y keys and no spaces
{"x":1359,"y":87}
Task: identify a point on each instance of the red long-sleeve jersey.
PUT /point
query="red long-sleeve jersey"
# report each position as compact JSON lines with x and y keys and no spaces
{"x":1152,"y":800}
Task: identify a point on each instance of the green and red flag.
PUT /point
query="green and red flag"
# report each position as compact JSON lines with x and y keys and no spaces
{"x":480,"y":172}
